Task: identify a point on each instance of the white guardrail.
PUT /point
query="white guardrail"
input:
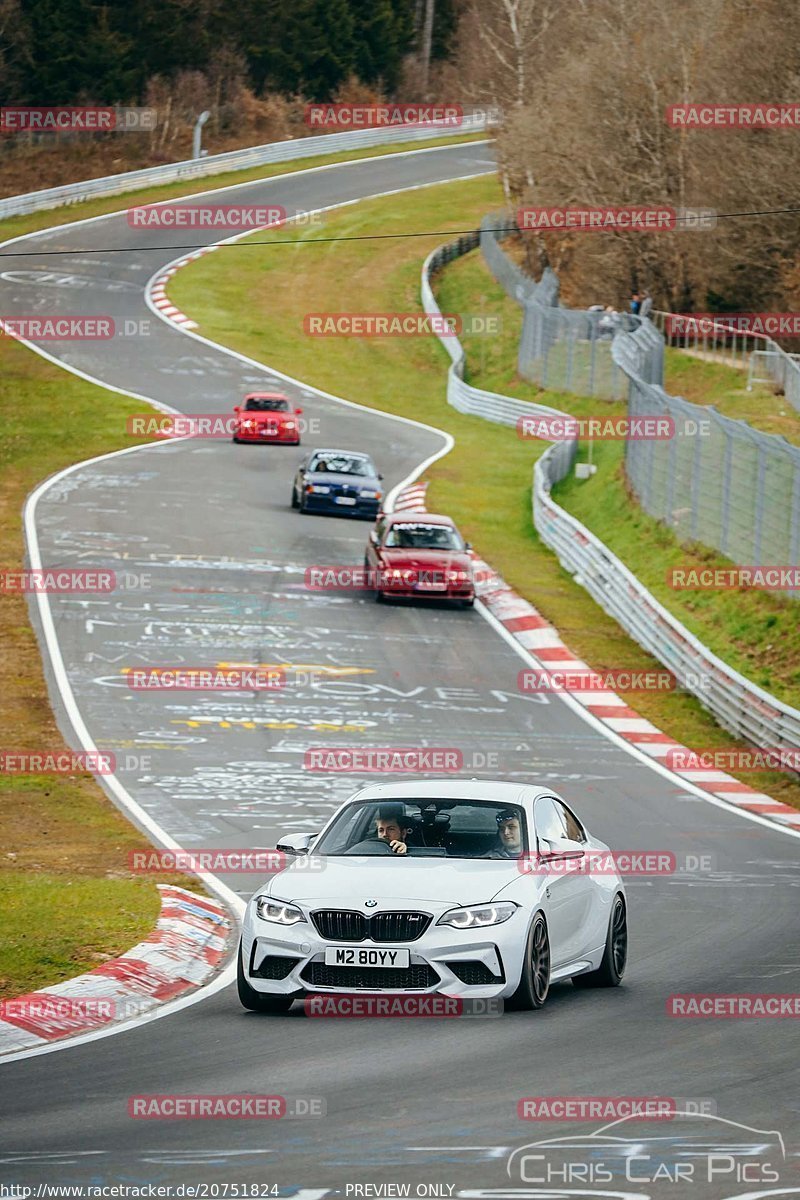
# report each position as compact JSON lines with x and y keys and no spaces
{"x":235,"y":160}
{"x":740,"y":706}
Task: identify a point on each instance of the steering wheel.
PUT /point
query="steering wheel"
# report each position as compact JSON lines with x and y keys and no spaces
{"x":370,"y":846}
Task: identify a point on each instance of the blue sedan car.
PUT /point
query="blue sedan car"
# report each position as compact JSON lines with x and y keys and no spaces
{"x":343,"y":482}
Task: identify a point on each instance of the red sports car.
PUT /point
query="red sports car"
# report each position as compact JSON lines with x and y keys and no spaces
{"x":267,"y":417}
{"x":419,"y":554}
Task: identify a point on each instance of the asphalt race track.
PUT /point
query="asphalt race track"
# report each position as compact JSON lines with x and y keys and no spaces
{"x":206,"y":529}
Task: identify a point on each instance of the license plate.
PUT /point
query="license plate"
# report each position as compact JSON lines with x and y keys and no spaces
{"x":361,"y":956}
{"x":428,"y":586}
{"x":345,"y":500}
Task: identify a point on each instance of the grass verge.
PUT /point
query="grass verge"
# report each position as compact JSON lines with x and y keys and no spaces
{"x":67,"y":899}
{"x":234,"y":302}
{"x":725,"y":387}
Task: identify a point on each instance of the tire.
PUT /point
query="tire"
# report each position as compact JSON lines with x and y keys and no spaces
{"x":535,"y":982}
{"x":256,"y":1001}
{"x":615,"y":955}
{"x":235,"y":440}
{"x":294,"y":498}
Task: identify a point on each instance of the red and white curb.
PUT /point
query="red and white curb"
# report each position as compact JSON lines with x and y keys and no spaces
{"x":183,"y":952}
{"x":411,"y":497}
{"x":543,"y":642}
{"x":158,"y":290}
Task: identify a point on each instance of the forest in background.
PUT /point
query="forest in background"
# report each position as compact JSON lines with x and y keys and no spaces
{"x":583,"y":88}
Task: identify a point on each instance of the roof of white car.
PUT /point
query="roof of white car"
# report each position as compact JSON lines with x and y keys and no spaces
{"x":451,"y":789}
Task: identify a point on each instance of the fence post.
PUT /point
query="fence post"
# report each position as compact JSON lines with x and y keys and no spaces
{"x":724,"y":541}
{"x":759,"y":506}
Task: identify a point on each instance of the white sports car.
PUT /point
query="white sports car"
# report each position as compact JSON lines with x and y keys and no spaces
{"x":469,"y":888}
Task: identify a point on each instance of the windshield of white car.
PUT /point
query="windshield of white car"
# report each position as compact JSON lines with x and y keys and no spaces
{"x":423,"y":537}
{"x":464,"y":829}
{"x":272,"y":405}
{"x":341,"y":464}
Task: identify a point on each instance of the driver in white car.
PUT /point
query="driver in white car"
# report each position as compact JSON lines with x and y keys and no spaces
{"x":509,"y":836}
{"x":392,"y":826}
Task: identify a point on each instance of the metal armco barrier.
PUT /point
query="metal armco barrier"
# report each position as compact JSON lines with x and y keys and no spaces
{"x":505,"y":410}
{"x":737,"y":704}
{"x":233,"y":160}
{"x":740,"y":706}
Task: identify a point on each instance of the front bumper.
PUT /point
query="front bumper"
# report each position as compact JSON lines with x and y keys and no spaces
{"x":268,"y":436}
{"x":327,"y":504}
{"x":438,"y":961}
{"x":464,"y":591}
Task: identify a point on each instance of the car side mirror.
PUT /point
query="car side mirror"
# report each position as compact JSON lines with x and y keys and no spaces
{"x":467,"y":545}
{"x":380,"y":476}
{"x":298,"y":411}
{"x":296,"y":843}
{"x":558,"y":848}
{"x":237,"y":409}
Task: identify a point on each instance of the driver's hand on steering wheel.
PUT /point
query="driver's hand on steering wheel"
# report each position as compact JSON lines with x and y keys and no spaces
{"x":398,"y":847}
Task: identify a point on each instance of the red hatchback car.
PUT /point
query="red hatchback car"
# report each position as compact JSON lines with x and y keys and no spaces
{"x":267,"y":417}
{"x":420,"y":554}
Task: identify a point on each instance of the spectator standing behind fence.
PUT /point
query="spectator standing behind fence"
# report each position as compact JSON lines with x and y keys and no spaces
{"x":636,"y":303}
{"x":646,"y":306}
{"x":609,"y":323}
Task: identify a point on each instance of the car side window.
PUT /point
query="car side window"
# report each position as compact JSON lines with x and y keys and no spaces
{"x":575,"y":831}
{"x":548,"y":820}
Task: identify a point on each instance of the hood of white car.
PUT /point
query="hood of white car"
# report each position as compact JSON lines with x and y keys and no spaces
{"x":349,"y":882}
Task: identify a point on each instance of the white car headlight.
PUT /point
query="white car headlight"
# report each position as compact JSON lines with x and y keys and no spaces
{"x":275,"y":910}
{"x":479,"y":915}
{"x":367,"y":494}
{"x":316,"y":487}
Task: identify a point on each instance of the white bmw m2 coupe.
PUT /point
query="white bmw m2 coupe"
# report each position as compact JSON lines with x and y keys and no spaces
{"x":469,"y":888}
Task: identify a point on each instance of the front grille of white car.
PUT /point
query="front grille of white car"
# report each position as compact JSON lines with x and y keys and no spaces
{"x":342,"y":925}
{"x":417,"y":977}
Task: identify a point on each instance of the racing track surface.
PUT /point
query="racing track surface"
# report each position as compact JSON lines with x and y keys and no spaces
{"x":209,"y":522}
